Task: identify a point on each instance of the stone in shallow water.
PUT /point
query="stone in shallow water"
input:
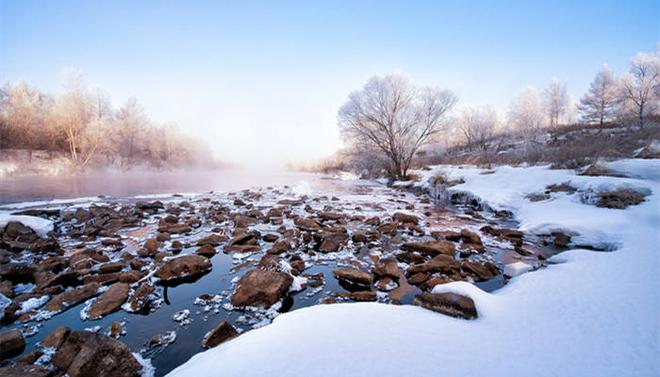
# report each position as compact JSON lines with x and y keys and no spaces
{"x":12,"y":344}
{"x":186,"y":266}
{"x":261,"y":288}
{"x":109,"y":301}
{"x":354,"y":276}
{"x":220,"y":334}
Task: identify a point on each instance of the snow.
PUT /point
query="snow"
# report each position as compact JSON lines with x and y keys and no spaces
{"x":587,"y":313}
{"x":148,"y":370}
{"x":39,"y":225}
{"x":517,"y":268}
{"x":4,"y":303}
{"x":33,"y":304}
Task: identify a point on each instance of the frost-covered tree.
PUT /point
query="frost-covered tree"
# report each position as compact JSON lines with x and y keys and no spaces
{"x":555,"y":101}
{"x":131,"y":125}
{"x":395,"y":117}
{"x":73,"y":114}
{"x":477,"y":125}
{"x":600,"y":103}
{"x":526,"y":114}
{"x":640,"y":86}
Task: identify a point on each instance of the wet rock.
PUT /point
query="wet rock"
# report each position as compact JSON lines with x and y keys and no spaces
{"x":270,"y":237}
{"x":174,"y":228}
{"x":359,"y":295}
{"x":220,"y":334}
{"x":86,"y":353}
{"x":140,"y":298}
{"x":418,"y":278}
{"x":331,"y":216}
{"x":440,"y":263}
{"x":410,"y":257}
{"x":561,"y":240}
{"x":111,"y":267}
{"x":481,"y":272}
{"x":386,"y":267}
{"x":388,"y":228}
{"x":72,"y":297}
{"x":130,"y":277}
{"x":243,"y":243}
{"x":470,"y":237}
{"x":372,"y":221}
{"x":307,"y":224}
{"x":152,"y":245}
{"x":290,"y":202}
{"x":26,"y":370}
{"x":432,"y":248}
{"x":386,"y":284}
{"x":446,"y":235}
{"x":212,"y":240}
{"x":359,"y":237}
{"x":65,"y":279}
{"x":18,"y":272}
{"x":261,"y":288}
{"x":105,"y":279}
{"x":56,"y":338}
{"x":12,"y":344}
{"x":354,"y":276}
{"x":447,"y":303}
{"x":332,"y":242}
{"x":109,"y":301}
{"x":116,"y":330}
{"x":183,"y":267}
{"x":87,"y":258}
{"x":279,"y":247}
{"x":207,"y":251}
{"x":405,"y":218}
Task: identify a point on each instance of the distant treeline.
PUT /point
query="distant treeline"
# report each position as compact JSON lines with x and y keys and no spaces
{"x":82,"y":124}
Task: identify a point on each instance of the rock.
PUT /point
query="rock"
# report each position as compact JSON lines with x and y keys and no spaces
{"x":410,"y":257}
{"x":446,"y":235}
{"x":207,"y":251}
{"x":432,"y":248}
{"x":111,"y":267}
{"x":388,"y":228}
{"x":26,"y":370}
{"x":359,"y":237}
{"x":386,"y":284}
{"x":386,"y":267}
{"x":331,"y":216}
{"x":372,"y":221}
{"x":447,"y":303}
{"x":130,"y":277}
{"x":360,"y":295}
{"x":290,"y":202}
{"x":279,"y":247}
{"x":87,"y":353}
{"x":12,"y":344}
{"x":261,"y":288}
{"x":212,"y":240}
{"x":405,"y":218}
{"x":354,"y":276}
{"x":116,"y":330}
{"x":140,"y":297}
{"x":481,"y":272}
{"x":183,"y":267}
{"x":104,"y":279}
{"x":243,"y":243}
{"x":72,"y":297}
{"x":87,"y":258}
{"x":220,"y":334}
{"x":307,"y":224}
{"x":270,"y":237}
{"x":174,"y":228}
{"x":562,"y":240}
{"x":18,"y":272}
{"x":418,"y":278}
{"x":516,"y":269}
{"x":332,"y":242}
{"x":152,"y":246}
{"x":109,"y":301}
{"x":470,"y":237}
{"x":440,"y":263}
{"x":56,"y":338}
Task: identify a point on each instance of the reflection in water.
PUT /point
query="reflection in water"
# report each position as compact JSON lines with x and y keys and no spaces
{"x":122,"y":184}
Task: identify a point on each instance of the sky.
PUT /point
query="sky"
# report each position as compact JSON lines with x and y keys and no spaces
{"x":262,"y":82}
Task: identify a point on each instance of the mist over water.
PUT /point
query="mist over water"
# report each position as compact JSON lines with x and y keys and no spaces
{"x":122,"y":184}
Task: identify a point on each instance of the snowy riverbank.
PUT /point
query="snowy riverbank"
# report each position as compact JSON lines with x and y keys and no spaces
{"x":591,"y":313}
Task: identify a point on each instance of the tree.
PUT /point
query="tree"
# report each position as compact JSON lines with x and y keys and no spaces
{"x":555,"y":101}
{"x":526,"y":114}
{"x":600,"y":103}
{"x":640,"y":86}
{"x":395,"y":117}
{"x":131,"y":125}
{"x":73,"y":115}
{"x":477,"y":125}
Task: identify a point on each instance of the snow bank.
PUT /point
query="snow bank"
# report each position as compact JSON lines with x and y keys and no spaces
{"x":39,"y":225}
{"x":590,"y":314}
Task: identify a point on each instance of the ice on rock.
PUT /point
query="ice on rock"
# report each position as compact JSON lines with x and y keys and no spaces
{"x":517,"y":268}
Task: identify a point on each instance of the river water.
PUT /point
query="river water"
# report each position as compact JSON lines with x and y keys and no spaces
{"x":123,"y":184}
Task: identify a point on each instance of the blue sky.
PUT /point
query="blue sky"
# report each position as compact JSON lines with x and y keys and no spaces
{"x":263,"y":80}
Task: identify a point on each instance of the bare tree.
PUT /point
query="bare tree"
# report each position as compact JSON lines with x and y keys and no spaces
{"x":131,"y":125}
{"x":640,"y":86}
{"x":394,"y":116}
{"x":600,"y":103}
{"x":555,"y":101}
{"x":526,"y":114}
{"x":74,"y":114}
{"x":477,"y":126}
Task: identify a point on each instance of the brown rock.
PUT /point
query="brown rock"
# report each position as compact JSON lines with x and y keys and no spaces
{"x":441,"y":263}
{"x":72,"y":297}
{"x":386,"y":267}
{"x":470,"y":237}
{"x":220,"y":334}
{"x":56,"y":338}
{"x":109,"y":301}
{"x":212,"y":240}
{"x":307,"y":224}
{"x":270,"y":237}
{"x":261,"y":288}
{"x":206,"y":251}
{"x":186,"y":266}
{"x":354,"y":276}
{"x":432,"y":248}
{"x":481,"y":272}
{"x":130,"y":277}
{"x":152,"y":246}
{"x":447,"y":303}
{"x":12,"y":344}
{"x":360,"y":295}
{"x":111,"y":267}
{"x":140,"y":297}
{"x":418,"y":278}
{"x":86,"y":353}
{"x":332,"y":242}
{"x":405,"y":218}
{"x":174,"y":228}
